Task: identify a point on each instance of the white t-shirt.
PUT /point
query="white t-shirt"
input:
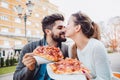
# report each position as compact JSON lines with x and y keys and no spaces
{"x":94,"y":57}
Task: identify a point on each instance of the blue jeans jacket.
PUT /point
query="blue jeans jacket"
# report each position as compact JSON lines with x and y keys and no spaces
{"x":42,"y":73}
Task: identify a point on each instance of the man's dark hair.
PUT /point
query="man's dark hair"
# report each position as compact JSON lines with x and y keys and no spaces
{"x":49,"y":21}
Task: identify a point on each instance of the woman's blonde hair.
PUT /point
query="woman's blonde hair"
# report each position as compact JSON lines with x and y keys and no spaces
{"x":96,"y":34}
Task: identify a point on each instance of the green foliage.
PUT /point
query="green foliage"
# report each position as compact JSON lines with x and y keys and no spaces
{"x":15,"y":60}
{"x":7,"y":62}
{"x":2,"y":62}
{"x":11,"y":61}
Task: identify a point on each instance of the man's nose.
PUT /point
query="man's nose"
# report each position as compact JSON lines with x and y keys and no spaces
{"x":63,"y":31}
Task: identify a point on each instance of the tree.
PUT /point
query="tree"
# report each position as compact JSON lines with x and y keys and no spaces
{"x":110,"y":33}
{"x":115,"y":24}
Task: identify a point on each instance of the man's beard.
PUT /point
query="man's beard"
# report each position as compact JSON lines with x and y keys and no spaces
{"x":58,"y":38}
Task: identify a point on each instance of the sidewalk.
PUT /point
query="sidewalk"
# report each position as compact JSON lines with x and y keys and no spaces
{"x":115,"y":61}
{"x":8,"y":76}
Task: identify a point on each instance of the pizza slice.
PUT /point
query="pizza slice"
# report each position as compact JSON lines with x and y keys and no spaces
{"x":68,"y":66}
{"x":49,"y":53}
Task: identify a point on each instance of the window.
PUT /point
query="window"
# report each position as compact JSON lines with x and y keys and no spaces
{"x":14,"y":9}
{"x":37,"y":25}
{"x":38,"y":33}
{"x":4,"y":18}
{"x":6,"y":43}
{"x":4,"y":5}
{"x":28,"y":32}
{"x":44,"y":8}
{"x":50,"y":12}
{"x":37,"y":15}
{"x":18,"y":0}
{"x":17,"y":31}
{"x":18,"y":43}
{"x":28,"y":23}
{"x":4,"y":30}
{"x":17,"y":20}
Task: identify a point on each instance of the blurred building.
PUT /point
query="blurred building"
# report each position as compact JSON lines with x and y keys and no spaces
{"x":12,"y":28}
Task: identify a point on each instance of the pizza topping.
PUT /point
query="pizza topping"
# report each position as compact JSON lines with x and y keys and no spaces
{"x":50,"y":53}
{"x":68,"y":66}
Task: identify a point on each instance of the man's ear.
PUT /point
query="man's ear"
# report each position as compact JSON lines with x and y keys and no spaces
{"x":77,"y":28}
{"x":47,"y":31}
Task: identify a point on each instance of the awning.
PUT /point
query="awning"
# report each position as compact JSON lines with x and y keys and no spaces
{"x":4,"y":47}
{"x":18,"y":46}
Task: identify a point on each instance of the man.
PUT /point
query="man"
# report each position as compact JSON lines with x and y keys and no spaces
{"x":54,"y":34}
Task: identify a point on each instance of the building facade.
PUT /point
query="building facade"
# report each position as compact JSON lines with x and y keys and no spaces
{"x":12,"y":28}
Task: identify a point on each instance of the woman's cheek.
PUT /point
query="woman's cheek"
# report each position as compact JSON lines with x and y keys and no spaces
{"x":67,"y":32}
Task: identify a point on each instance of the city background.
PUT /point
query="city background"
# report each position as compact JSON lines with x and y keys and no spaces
{"x":20,"y":23}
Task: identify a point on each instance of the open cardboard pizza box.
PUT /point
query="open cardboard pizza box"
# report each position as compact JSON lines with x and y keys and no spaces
{"x":64,"y":76}
{"x":41,"y":60}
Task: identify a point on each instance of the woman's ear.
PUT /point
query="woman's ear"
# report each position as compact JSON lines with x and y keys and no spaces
{"x":77,"y":28}
{"x":47,"y":31}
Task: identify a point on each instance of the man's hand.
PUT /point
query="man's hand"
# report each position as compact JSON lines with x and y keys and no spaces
{"x":29,"y":61}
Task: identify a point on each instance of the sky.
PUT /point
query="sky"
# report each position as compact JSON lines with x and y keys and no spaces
{"x":97,"y":10}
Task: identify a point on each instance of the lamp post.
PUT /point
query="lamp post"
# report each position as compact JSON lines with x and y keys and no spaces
{"x":27,"y":14}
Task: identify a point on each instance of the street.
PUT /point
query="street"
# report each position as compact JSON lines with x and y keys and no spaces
{"x":114,"y":61}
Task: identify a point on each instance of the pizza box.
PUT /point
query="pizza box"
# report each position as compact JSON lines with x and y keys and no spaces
{"x":41,"y":60}
{"x":64,"y":76}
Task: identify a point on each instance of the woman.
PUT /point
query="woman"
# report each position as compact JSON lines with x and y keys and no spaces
{"x":90,"y":51}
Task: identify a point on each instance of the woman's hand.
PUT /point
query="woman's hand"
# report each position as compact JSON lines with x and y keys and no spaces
{"x":87,"y":75}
